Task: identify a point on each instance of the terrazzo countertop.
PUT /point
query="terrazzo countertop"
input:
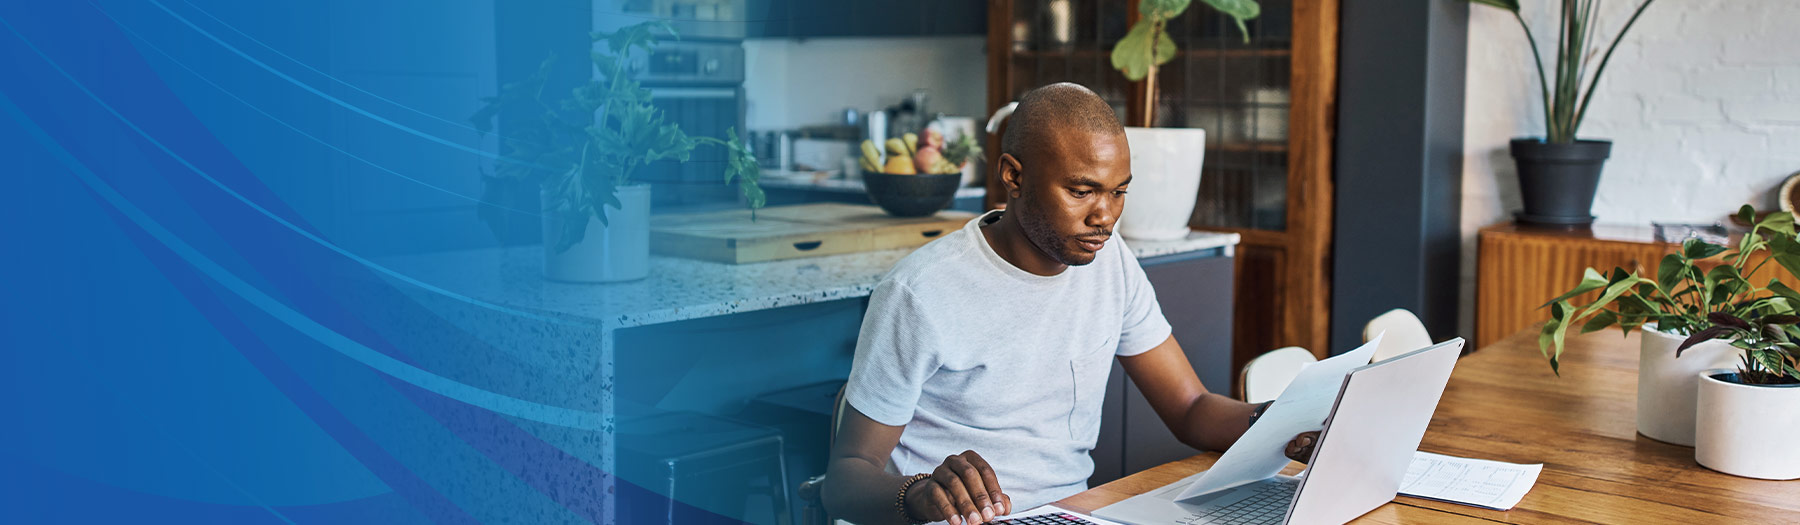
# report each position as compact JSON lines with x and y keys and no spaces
{"x":680,"y":289}
{"x":1195,"y":241}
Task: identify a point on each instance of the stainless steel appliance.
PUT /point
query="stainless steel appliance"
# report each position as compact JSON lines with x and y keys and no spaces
{"x":697,"y":80}
{"x":699,"y":86}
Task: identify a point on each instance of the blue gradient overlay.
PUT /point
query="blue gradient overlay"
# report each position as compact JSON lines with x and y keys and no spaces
{"x":201,"y":320}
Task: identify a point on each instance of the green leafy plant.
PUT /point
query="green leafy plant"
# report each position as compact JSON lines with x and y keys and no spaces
{"x":1770,"y":356}
{"x":1567,"y":104}
{"x":1686,"y":298}
{"x":581,"y":147}
{"x":1147,"y":45}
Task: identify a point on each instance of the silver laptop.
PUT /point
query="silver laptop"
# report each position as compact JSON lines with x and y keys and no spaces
{"x":1368,"y":440}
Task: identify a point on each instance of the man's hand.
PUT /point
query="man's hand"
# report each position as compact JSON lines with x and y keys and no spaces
{"x":962,"y":491}
{"x":1301,"y":447}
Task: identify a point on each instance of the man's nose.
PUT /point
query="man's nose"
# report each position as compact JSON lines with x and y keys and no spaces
{"x":1105,"y":212}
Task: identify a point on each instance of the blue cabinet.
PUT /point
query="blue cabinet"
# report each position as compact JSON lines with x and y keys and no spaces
{"x":1195,"y":291}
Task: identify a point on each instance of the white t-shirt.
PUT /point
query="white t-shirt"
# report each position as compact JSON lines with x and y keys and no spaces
{"x":969,"y":352}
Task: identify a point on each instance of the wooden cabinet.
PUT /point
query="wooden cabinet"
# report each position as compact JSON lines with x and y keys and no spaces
{"x":1267,"y":107}
{"x":1520,"y":268}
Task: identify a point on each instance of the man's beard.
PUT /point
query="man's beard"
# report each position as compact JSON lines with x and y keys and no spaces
{"x":1057,"y":246}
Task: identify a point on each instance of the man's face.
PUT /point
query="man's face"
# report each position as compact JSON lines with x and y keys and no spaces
{"x":1072,"y":192}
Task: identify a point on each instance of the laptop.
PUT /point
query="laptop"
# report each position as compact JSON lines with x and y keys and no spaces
{"x":1368,"y":441}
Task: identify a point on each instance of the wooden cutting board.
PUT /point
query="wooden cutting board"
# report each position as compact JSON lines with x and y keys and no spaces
{"x":789,"y":232}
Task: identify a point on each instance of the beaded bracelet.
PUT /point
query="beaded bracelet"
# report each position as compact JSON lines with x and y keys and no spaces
{"x":900,"y":499}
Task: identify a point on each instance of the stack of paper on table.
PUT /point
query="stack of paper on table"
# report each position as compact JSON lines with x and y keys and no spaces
{"x":1473,"y":482}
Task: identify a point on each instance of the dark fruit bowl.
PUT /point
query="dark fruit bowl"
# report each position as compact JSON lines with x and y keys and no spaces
{"x":912,"y":195}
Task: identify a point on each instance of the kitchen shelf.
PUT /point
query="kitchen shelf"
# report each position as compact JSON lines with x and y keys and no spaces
{"x":1250,"y":147}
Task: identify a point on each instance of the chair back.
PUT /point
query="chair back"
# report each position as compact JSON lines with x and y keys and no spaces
{"x":1404,"y":333}
{"x":1266,"y":376}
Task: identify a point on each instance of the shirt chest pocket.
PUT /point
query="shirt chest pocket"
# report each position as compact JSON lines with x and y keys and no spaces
{"x":1088,"y":372}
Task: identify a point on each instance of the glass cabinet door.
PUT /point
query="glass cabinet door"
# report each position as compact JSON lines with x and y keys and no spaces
{"x":1237,"y":91}
{"x":1054,"y":41}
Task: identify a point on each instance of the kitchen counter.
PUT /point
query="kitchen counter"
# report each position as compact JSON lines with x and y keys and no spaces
{"x":805,"y":181}
{"x":681,"y":289}
{"x":708,"y":337}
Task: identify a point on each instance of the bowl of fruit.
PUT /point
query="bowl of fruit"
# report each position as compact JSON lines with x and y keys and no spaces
{"x":915,"y":176}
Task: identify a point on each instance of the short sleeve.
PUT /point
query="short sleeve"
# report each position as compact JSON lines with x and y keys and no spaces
{"x":896,"y":352}
{"x":1144,"y":326}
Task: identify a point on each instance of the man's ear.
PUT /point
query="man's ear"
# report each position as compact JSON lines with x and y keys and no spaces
{"x":1010,"y":173}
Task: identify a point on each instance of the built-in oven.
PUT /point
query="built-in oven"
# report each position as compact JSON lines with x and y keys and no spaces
{"x":699,"y":86}
{"x":697,"y":80}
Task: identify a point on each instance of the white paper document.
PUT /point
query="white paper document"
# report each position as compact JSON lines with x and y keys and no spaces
{"x":1475,"y":482}
{"x":1052,"y":509}
{"x":1302,"y":407}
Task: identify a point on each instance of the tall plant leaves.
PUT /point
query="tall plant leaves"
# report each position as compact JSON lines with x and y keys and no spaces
{"x":1566,"y":106}
{"x":1147,"y":45}
{"x":1138,"y":51}
{"x":1240,"y":10}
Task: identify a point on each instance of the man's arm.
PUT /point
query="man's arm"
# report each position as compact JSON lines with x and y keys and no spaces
{"x":1201,"y":419}
{"x":963,"y":490}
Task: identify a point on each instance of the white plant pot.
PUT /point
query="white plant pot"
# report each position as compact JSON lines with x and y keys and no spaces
{"x":1165,"y":180}
{"x":617,"y":251}
{"x":1666,"y":384}
{"x":1747,"y":430}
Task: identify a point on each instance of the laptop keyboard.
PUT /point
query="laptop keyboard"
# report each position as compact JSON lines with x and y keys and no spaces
{"x":1266,"y":505}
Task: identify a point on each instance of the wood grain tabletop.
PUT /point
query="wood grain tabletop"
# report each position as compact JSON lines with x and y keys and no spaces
{"x":1503,"y":403}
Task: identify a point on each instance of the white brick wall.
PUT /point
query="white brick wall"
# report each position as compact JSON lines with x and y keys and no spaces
{"x":1702,"y":103}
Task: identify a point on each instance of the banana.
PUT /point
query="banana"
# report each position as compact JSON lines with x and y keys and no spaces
{"x":912,"y":143}
{"x":868,"y":165}
{"x":871,"y":153}
{"x":897,"y":148}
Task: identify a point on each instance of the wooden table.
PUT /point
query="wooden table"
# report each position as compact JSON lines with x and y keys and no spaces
{"x":1503,"y":404}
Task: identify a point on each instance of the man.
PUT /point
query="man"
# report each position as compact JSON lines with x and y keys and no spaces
{"x":984,"y":355}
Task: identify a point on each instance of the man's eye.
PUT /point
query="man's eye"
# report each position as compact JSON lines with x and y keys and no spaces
{"x":1081,"y":193}
{"x":1120,"y":193}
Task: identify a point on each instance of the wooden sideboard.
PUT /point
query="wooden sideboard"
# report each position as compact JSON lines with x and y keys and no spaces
{"x":1519,"y":268}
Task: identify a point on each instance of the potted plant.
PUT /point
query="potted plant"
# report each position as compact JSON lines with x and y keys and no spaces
{"x":1692,"y":301}
{"x":1744,"y":416}
{"x":1559,"y":173}
{"x":582,"y":149}
{"x":1166,"y":161}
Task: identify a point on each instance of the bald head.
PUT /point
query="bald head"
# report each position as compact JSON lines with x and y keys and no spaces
{"x":1065,"y":163}
{"x":1045,"y":112}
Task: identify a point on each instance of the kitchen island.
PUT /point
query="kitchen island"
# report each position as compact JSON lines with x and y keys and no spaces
{"x":708,"y":337}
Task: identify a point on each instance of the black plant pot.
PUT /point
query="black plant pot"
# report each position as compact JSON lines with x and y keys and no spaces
{"x":1558,"y":181}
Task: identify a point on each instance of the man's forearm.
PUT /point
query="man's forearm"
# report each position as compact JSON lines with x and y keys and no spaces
{"x":861,"y":492}
{"x":1214,"y":422}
